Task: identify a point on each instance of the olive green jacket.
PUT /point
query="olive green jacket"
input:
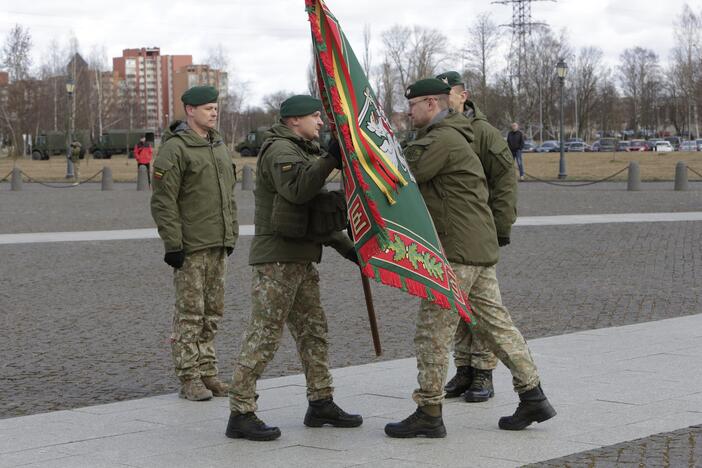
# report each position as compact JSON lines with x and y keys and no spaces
{"x":452,"y":182}
{"x":193,"y":201}
{"x":498,"y":165}
{"x":293,"y":168}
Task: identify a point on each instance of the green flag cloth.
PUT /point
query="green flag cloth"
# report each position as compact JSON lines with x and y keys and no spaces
{"x":393,"y":232}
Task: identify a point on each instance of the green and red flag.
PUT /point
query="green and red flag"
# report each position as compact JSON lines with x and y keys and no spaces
{"x":392,"y":229}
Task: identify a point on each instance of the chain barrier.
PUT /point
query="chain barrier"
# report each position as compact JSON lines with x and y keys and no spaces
{"x":7,"y":176}
{"x":69,"y":185}
{"x":579,"y":184}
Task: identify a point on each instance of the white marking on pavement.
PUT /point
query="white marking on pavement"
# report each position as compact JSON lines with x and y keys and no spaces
{"x":248,"y":229}
{"x":608,"y":218}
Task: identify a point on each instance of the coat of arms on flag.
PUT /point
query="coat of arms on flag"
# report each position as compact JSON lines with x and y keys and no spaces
{"x":392,"y":229}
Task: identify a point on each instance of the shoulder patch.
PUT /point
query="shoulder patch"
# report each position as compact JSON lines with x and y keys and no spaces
{"x":286,"y":167}
{"x":414,"y":152}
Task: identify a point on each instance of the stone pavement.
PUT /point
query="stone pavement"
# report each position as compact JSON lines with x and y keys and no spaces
{"x":608,"y":386}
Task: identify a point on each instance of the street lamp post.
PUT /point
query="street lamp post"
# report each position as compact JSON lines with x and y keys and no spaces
{"x":70,"y":88}
{"x":562,"y":70}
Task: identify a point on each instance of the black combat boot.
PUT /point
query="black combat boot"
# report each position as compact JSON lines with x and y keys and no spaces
{"x":321,"y":412}
{"x":481,"y":387}
{"x":533,"y":407}
{"x":426,"y":421}
{"x":460,"y":382}
{"x":248,"y":426}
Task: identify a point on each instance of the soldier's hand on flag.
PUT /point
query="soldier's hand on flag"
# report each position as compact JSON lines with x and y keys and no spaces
{"x":335,"y":151}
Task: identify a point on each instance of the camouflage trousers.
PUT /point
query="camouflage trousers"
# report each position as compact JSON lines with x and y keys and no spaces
{"x":199,"y":286}
{"x":469,"y":350}
{"x":494,"y":325}
{"x":432,"y":343}
{"x":282,"y":293}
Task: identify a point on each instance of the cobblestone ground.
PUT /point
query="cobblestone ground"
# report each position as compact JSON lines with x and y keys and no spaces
{"x":677,"y":449}
{"x":88,"y":323}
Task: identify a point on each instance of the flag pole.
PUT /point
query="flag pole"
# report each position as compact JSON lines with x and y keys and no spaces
{"x":371,"y":315}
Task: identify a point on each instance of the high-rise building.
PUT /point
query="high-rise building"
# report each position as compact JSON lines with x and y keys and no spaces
{"x":147,"y":81}
{"x":196,"y":75}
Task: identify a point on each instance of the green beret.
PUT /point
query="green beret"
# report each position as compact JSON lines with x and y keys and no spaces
{"x":199,"y":95}
{"x":451,"y":78}
{"x":300,"y":105}
{"x":427,"y":87}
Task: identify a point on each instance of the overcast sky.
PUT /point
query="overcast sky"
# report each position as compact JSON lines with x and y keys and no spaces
{"x":268,"y":41}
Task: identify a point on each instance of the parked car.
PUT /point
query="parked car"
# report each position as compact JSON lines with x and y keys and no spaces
{"x":608,"y":144}
{"x":699,"y":144}
{"x":674,"y":141}
{"x":640,"y":145}
{"x":595,"y":146}
{"x":529,"y":147}
{"x":664,"y":146}
{"x":623,"y":145}
{"x":688,"y":145}
{"x":549,"y":146}
{"x":576,"y":147}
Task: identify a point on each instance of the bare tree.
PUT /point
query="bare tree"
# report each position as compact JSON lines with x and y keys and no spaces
{"x":367,"y":55}
{"x":684,"y":73}
{"x":413,"y":53}
{"x":15,"y":110}
{"x":273,"y":101}
{"x":638,"y":71}
{"x":585,"y":79}
{"x":483,"y":40}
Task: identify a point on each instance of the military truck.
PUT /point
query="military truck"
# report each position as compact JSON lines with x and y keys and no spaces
{"x":117,"y":141}
{"x":251,"y":145}
{"x":49,"y":144}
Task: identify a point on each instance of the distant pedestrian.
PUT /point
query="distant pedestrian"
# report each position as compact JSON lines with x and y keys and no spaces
{"x":194,"y":209}
{"x":143,"y":153}
{"x":75,"y":159}
{"x":515,"y":140}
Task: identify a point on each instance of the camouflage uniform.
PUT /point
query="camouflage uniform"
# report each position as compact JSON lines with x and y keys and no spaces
{"x":494,"y":326}
{"x":283,"y":293}
{"x":498,"y":165}
{"x":432,"y":344}
{"x":199,"y":286}
{"x":291,"y":172}
{"x":452,"y":181}
{"x":195,"y":211}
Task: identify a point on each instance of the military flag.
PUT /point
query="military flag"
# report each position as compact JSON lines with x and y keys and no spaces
{"x":393,"y":232}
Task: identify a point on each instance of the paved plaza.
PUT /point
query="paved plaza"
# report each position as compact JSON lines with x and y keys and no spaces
{"x":86,"y":322}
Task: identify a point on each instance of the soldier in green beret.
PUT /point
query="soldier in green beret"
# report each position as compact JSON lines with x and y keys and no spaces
{"x":474,"y":360}
{"x":294,"y":217}
{"x":452,"y":182}
{"x":195,"y":211}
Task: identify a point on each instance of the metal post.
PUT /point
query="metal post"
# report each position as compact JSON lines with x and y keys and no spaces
{"x":69,"y":163}
{"x":633,"y":183}
{"x":681,"y":176}
{"x":562,"y":163}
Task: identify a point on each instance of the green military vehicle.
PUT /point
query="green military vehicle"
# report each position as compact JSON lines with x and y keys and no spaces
{"x":49,"y":144}
{"x":119,"y":141}
{"x":251,"y":145}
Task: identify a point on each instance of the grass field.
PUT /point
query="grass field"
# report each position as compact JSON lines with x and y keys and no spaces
{"x":579,"y":166}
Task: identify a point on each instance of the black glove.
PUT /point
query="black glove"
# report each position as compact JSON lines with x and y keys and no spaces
{"x":334,"y":151}
{"x":175,"y":259}
{"x":229,"y":250}
{"x":352,"y":255}
{"x":502,"y":241}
